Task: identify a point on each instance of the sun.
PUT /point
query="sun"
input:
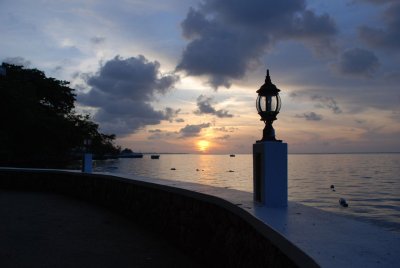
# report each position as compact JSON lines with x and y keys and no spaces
{"x":203,"y":145}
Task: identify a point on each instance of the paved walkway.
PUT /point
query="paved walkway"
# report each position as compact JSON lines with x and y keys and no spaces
{"x":49,"y":230}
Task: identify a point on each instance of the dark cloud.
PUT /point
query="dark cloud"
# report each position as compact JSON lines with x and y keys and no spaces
{"x":204,"y":105}
{"x":122,"y":91}
{"x":227,"y":37}
{"x":193,"y":130}
{"x":357,"y":62}
{"x":20,"y":61}
{"x":171,"y":113}
{"x":179,"y":120}
{"x":327,"y":102}
{"x":311,"y":116}
{"x":97,"y":40}
{"x":387,"y":37}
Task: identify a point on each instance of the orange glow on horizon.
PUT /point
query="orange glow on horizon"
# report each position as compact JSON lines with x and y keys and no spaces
{"x":203,"y":145}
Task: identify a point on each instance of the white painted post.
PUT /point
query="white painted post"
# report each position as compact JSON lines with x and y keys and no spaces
{"x":270,"y":173}
{"x":87,"y":163}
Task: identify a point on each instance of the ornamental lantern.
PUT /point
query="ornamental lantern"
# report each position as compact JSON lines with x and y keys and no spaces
{"x":268,"y":105}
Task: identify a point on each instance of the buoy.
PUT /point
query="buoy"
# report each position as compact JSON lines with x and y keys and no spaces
{"x":343,"y":202}
{"x":333,"y":188}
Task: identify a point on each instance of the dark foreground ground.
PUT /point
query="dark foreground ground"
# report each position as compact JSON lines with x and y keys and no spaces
{"x":49,"y":230}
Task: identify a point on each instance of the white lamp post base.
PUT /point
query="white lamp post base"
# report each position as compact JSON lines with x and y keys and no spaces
{"x":87,"y":163}
{"x":270,"y":173}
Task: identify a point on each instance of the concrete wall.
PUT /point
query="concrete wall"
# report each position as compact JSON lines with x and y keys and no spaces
{"x":211,"y":230}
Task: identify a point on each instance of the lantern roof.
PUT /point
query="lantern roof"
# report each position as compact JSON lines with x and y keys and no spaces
{"x":268,"y":89}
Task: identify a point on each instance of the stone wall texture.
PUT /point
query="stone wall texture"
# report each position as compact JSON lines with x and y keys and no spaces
{"x":213,"y":231}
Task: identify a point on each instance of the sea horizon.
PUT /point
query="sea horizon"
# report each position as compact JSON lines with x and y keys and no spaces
{"x":199,"y":153}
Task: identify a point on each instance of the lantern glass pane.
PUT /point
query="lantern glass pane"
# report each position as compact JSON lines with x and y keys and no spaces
{"x":268,"y":103}
{"x":263,"y":103}
{"x":273,"y":103}
{"x":278,"y":99}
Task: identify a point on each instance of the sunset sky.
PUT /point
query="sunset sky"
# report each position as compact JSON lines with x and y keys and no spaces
{"x":181,"y":76}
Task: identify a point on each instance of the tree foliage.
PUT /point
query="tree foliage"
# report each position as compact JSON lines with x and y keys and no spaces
{"x":39,"y":126}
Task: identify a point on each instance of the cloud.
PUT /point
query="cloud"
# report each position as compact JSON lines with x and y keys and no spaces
{"x":395,"y":115}
{"x":171,"y":113}
{"x":225,"y":129}
{"x":378,"y":2}
{"x":57,"y":68}
{"x":97,"y":40}
{"x":393,"y":76}
{"x":327,"y":102}
{"x":311,"y":116}
{"x":158,"y":134}
{"x":357,"y":62}
{"x":228,"y":37}
{"x":20,"y":61}
{"x":192,"y":130}
{"x":155,"y":130}
{"x":223,"y":138}
{"x":122,"y":91}
{"x":387,"y":37}
{"x":204,"y":105}
{"x":321,"y":102}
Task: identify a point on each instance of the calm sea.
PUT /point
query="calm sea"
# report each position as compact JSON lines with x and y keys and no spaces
{"x":370,"y":183}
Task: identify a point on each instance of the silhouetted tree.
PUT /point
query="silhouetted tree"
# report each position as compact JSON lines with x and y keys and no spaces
{"x":39,"y":126}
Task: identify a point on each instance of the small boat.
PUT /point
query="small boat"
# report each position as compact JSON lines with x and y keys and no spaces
{"x":232,"y":155}
{"x":155,"y":156}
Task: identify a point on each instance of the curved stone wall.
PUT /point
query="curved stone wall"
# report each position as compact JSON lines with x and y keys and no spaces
{"x":210,"y":229}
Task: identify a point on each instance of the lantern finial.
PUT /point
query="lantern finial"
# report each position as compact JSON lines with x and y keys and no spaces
{"x":267,"y":78}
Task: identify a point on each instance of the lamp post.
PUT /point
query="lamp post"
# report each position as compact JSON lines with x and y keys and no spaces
{"x":269,"y":154}
{"x":3,"y":71}
{"x":268,"y":106}
{"x":87,"y":156}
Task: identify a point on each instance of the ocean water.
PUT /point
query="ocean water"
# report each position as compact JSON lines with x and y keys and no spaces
{"x":370,"y":183}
